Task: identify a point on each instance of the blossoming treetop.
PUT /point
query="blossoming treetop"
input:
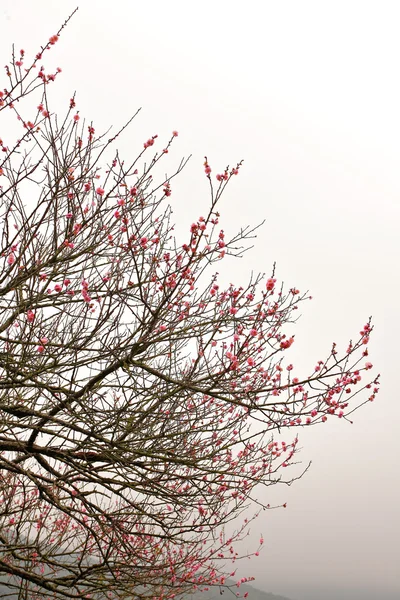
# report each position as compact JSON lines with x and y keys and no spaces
{"x":139,"y":399}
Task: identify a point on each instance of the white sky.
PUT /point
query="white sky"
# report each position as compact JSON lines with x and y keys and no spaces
{"x":308,"y":94}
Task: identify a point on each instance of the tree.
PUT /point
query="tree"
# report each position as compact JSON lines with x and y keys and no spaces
{"x":139,"y":399}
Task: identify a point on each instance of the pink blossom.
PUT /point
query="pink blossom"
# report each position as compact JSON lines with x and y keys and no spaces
{"x":30,"y":315}
{"x":270,"y":284}
{"x":40,"y":349}
{"x":100,"y":191}
{"x":58,"y":288}
{"x":11,"y":258}
{"x":286,"y":343}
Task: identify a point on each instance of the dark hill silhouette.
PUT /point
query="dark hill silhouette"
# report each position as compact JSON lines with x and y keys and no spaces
{"x":232,"y":592}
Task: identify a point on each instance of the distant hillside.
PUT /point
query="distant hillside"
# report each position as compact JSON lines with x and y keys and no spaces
{"x":230,"y":593}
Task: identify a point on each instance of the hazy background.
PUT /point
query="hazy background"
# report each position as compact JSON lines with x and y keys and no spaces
{"x":308,"y":94}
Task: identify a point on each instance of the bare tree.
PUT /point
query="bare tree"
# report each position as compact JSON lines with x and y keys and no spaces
{"x":138,"y":399}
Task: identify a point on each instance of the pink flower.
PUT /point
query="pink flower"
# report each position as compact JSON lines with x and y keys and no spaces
{"x":40,"y":349}
{"x":270,"y":284}
{"x":368,"y":365}
{"x":44,"y":340}
{"x":253,"y":332}
{"x":175,"y":133}
{"x":67,"y":282}
{"x":286,"y":343}
{"x":30,"y":315}
{"x":100,"y":191}
{"x":11,"y":258}
{"x":58,"y":288}
{"x":250,"y":361}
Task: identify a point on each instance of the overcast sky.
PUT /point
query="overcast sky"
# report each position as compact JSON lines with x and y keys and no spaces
{"x":308,"y":94}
